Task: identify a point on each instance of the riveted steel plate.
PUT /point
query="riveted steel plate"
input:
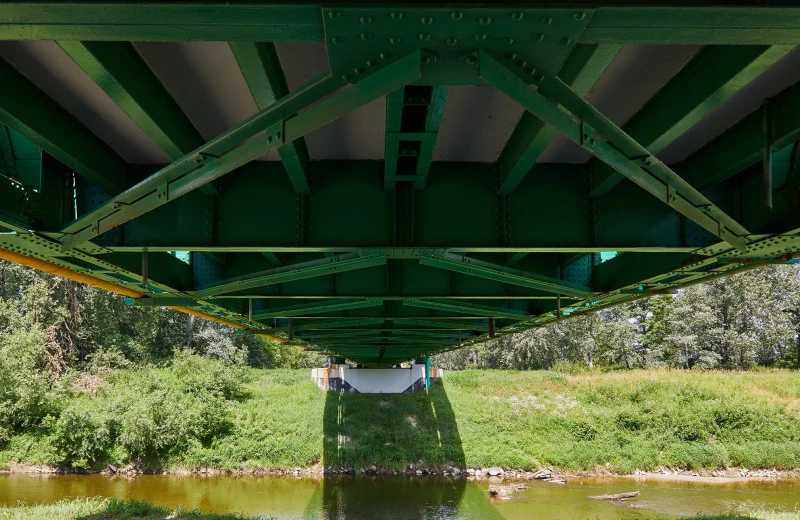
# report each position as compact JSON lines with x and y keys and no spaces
{"x":361,"y":38}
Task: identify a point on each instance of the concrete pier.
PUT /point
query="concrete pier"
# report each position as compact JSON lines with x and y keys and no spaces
{"x":341,"y":377}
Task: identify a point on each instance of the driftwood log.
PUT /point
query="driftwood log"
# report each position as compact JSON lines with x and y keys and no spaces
{"x":618,"y":496}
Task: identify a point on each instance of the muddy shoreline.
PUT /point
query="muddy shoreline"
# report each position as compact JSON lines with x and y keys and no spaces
{"x":552,"y":475}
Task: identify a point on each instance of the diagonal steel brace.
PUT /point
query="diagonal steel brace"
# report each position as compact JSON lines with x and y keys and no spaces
{"x":557,"y":104}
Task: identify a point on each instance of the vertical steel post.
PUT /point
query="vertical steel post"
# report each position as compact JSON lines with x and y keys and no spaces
{"x":291,"y":329}
{"x":250,"y":310}
{"x":427,"y":373}
{"x":766,"y":117}
{"x":145,"y":269}
{"x":492,"y":328}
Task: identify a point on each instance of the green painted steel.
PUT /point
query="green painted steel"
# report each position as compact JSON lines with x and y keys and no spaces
{"x":714,"y":75}
{"x":532,"y":135}
{"x":395,"y":259}
{"x":623,"y":154}
{"x":31,"y":113}
{"x":262,"y":71}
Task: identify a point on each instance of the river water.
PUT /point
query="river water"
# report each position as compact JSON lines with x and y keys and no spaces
{"x":410,"y":498}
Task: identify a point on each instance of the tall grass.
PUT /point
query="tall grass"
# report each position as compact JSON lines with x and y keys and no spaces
{"x":104,"y":509}
{"x":109,"y":509}
{"x":276,"y":419}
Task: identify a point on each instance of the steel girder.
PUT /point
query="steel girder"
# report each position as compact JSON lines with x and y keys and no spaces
{"x":600,"y":136}
{"x":682,"y":23}
{"x":386,"y":261}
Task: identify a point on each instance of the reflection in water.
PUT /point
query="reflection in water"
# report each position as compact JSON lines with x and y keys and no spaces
{"x":288,"y":498}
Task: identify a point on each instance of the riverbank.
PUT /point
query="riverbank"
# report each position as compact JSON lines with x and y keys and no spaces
{"x":619,"y":423}
{"x":106,"y":509}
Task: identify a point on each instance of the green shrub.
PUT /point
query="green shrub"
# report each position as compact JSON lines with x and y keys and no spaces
{"x":81,"y":437}
{"x":692,"y":427}
{"x":200,"y":374}
{"x":583,"y":430}
{"x":632,"y":421}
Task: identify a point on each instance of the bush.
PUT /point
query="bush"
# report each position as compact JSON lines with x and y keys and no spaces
{"x":199,"y":374}
{"x":81,"y":437}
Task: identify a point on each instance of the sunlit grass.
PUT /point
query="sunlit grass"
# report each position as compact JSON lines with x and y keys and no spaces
{"x":110,"y":509}
{"x":106,"y":509}
{"x":617,"y":421}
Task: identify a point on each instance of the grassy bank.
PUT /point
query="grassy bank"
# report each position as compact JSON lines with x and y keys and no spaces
{"x":104,"y":509}
{"x":619,"y":421}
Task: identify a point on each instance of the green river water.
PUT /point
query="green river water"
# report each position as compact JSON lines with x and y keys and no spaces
{"x":409,"y":498}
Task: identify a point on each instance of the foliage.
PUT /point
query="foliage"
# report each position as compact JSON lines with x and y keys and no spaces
{"x":737,"y":323}
{"x":574,"y":420}
{"x":105,"y":509}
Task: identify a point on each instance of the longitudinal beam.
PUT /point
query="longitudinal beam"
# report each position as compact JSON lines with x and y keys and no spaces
{"x":466,"y":308}
{"x":32,"y":114}
{"x":742,"y":146}
{"x":442,"y":324}
{"x":696,"y":24}
{"x":317,"y":308}
{"x":709,"y":23}
{"x":472,"y":267}
{"x":710,"y":78}
{"x":531,"y":136}
{"x":262,"y":71}
{"x":118,"y":69}
{"x":619,"y":150}
{"x":413,"y":117}
{"x":339,"y":324}
{"x":226,"y":153}
{"x":160,"y":21}
{"x":288,"y":273}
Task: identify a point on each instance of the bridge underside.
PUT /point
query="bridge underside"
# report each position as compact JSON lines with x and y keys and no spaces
{"x":385,"y":183}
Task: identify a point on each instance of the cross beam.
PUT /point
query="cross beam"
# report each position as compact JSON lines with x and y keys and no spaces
{"x":262,"y":71}
{"x":302,"y":271}
{"x":619,"y":150}
{"x":710,"y":78}
{"x":231,"y":149}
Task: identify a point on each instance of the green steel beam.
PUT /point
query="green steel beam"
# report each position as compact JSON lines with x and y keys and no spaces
{"x":339,"y":324}
{"x":394,"y":116}
{"x":531,"y":136}
{"x":316,"y":308}
{"x":302,"y":271}
{"x":472,"y":267}
{"x":432,"y":123}
{"x":708,"y":80}
{"x":32,"y":114}
{"x":164,"y":301}
{"x":271,"y":257}
{"x":380,"y":333}
{"x":698,"y":23}
{"x":221,"y":155}
{"x":120,"y":71}
{"x":466,"y":308}
{"x":351,"y":210}
{"x":618,"y":150}
{"x":741,"y":146}
{"x":695,"y":23}
{"x":20,"y":160}
{"x":371,"y":341}
{"x":413,"y":117}
{"x":160,"y":21}
{"x":442,"y":324}
{"x":262,"y":71}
